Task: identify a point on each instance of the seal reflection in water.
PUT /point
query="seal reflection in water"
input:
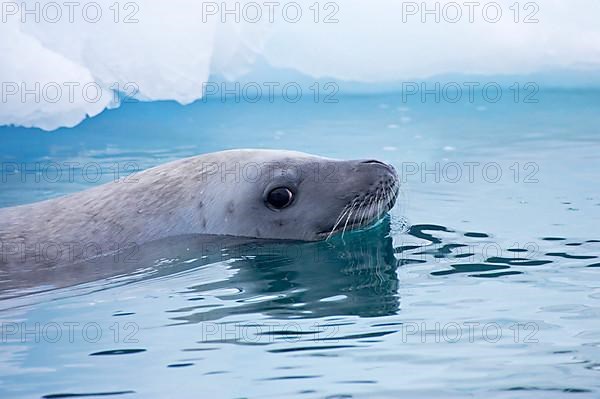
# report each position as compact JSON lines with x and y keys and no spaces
{"x":355,"y":276}
{"x":267,"y":194}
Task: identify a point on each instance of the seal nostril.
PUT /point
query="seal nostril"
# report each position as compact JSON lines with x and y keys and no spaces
{"x":377,"y":163}
{"x":373,"y":162}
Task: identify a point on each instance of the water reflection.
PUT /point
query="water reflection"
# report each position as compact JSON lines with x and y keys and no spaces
{"x":350,"y":275}
{"x":355,"y":275}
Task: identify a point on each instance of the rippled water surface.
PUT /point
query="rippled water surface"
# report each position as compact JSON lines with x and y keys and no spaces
{"x":483,"y":281}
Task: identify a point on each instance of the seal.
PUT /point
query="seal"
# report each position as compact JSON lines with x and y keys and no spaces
{"x":266,"y":194}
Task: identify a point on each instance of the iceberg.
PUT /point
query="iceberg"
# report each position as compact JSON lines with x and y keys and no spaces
{"x":65,"y":61}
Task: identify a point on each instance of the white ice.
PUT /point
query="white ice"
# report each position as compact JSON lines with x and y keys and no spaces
{"x":167,"y":50}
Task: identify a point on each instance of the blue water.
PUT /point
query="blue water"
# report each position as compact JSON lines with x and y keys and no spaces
{"x":483,"y":281}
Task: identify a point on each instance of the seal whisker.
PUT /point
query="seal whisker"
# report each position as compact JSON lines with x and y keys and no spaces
{"x":356,"y":219}
{"x":384,"y":200}
{"x":339,"y":220}
{"x":362,"y":211}
{"x":378,"y":204}
{"x":347,"y":219}
{"x":367,"y":211}
{"x":370,"y":207}
{"x":364,"y":218}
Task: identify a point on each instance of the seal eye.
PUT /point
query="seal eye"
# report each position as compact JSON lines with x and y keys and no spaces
{"x":280,"y":197}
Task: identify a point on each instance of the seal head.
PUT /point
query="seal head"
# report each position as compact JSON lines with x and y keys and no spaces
{"x":290,"y":195}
